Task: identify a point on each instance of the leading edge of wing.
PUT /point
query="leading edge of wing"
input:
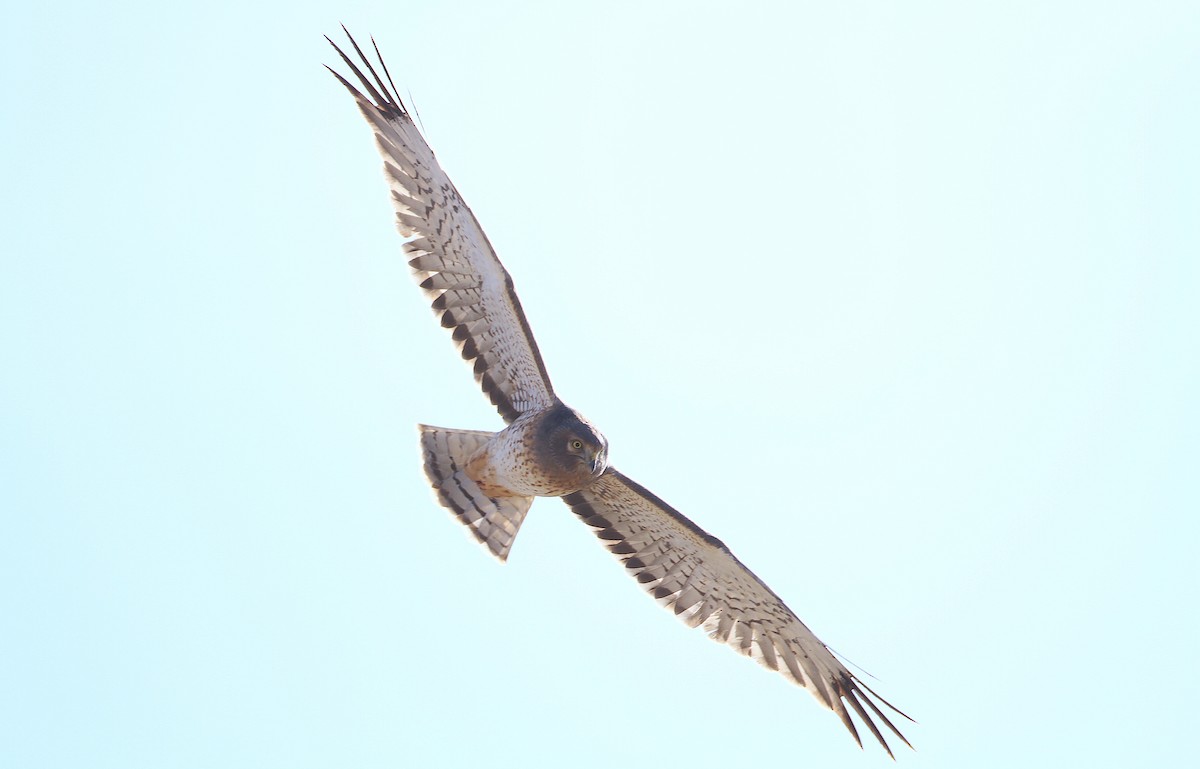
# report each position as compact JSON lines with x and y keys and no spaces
{"x":449,"y":252}
{"x":679,"y":574}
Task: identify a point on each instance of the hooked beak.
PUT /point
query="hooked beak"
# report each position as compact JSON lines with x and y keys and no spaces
{"x":597,"y":463}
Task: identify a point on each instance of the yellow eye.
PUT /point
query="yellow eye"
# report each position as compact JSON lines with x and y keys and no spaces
{"x":576,"y":444}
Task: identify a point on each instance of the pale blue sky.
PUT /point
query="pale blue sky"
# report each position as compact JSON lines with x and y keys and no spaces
{"x":899,"y":300}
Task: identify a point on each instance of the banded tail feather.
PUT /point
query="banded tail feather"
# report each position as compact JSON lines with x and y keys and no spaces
{"x":494,"y":521}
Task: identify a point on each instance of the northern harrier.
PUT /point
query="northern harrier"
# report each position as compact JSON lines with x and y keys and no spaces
{"x":488,"y":480}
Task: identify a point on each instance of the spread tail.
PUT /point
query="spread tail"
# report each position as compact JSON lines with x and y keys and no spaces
{"x":493,"y":521}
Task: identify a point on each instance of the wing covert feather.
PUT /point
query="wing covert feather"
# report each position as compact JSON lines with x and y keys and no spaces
{"x":450,"y":255}
{"x":692,"y":573}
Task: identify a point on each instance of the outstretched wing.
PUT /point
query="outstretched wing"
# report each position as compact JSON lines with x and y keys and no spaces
{"x":450,"y":255}
{"x":694,"y":574}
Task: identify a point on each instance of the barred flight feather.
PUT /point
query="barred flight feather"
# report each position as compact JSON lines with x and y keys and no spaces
{"x":449,"y":241}
{"x":695,"y":575}
{"x":493,"y":521}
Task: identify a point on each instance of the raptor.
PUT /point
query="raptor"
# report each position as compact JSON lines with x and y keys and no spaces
{"x":488,"y":480}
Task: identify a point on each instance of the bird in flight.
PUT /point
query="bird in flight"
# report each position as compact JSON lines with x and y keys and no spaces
{"x":488,"y":479}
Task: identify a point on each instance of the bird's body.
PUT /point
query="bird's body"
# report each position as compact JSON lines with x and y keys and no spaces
{"x":489,"y":479}
{"x":533,"y":456}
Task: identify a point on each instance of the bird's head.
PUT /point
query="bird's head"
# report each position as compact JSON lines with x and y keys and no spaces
{"x":573,"y":445}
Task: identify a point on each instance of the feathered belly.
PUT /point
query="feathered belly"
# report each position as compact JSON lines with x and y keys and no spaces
{"x":500,"y":474}
{"x":507,"y":467}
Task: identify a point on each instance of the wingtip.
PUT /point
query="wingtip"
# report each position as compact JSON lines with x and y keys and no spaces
{"x":892,"y":707}
{"x":384,"y":101}
{"x":851,"y":691}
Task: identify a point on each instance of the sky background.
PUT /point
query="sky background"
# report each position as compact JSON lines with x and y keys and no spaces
{"x":898,"y":300}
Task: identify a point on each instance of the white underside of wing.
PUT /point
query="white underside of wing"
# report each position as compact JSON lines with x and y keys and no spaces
{"x":694,"y":575}
{"x":453,"y":261}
